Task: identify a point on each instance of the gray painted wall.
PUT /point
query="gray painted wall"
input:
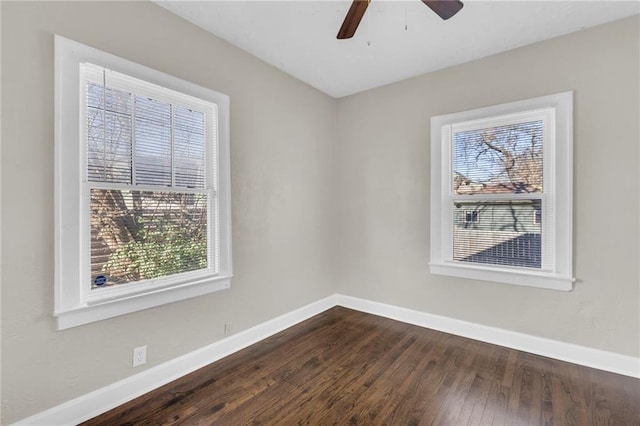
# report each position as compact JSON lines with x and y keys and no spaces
{"x":383,"y":198}
{"x":300,"y":162}
{"x":283,"y":136}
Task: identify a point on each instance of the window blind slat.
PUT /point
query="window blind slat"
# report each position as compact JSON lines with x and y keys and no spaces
{"x":189,"y":147}
{"x":108,"y":135}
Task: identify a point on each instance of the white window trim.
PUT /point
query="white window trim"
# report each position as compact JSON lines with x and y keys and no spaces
{"x":558,"y":179}
{"x":73,"y":305}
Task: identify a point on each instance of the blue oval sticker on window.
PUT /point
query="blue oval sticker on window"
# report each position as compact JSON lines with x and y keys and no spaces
{"x":100,"y":280}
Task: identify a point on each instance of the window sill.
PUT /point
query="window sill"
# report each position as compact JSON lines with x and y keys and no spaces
{"x":98,"y":311}
{"x":503,"y":275}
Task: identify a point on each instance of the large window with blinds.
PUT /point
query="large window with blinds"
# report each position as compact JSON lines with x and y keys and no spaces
{"x":143,"y":184}
{"x":150,"y":155}
{"x":501,"y":193}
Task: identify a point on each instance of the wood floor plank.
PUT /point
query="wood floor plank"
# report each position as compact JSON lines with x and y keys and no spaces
{"x":347,"y":367}
{"x":405,"y":408}
{"x":473,"y":406}
{"x":497,"y":399}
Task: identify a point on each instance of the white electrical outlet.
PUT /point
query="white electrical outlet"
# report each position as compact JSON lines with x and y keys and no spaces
{"x":139,"y":355}
{"x":227,"y":329}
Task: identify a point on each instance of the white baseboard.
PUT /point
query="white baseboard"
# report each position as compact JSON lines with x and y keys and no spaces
{"x":582,"y":355}
{"x":97,"y":402}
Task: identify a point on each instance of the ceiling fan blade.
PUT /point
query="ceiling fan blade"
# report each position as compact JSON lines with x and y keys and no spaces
{"x":444,"y":8}
{"x":353,"y":18}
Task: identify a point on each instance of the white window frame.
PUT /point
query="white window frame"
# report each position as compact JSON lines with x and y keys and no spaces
{"x":557,"y":234}
{"x":75,"y":304}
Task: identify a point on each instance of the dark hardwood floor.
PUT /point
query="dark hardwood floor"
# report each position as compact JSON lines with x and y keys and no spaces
{"x":346,"y":367}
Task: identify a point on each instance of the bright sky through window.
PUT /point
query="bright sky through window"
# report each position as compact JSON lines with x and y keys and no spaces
{"x":504,"y":158}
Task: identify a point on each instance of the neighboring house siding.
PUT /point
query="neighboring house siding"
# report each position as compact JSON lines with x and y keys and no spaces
{"x":513,"y":216}
{"x":498,"y":233}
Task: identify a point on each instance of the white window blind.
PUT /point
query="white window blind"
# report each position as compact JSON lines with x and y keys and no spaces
{"x":147,"y":177}
{"x":134,"y":138}
{"x":109,"y":134}
{"x":497,"y":186}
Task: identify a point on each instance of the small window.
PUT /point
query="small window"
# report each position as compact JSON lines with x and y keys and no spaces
{"x":142,"y":187}
{"x":537,"y":215}
{"x":511,"y":166}
{"x":471,"y":216}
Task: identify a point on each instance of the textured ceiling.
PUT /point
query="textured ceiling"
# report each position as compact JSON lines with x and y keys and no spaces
{"x":299,"y":37}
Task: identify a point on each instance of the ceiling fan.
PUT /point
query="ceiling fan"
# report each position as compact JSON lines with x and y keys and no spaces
{"x":443,"y":8}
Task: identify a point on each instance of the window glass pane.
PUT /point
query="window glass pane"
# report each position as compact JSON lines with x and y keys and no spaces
{"x":498,"y":233}
{"x":108,"y":135}
{"x":153,"y":142}
{"x":189,"y":148}
{"x":166,"y":141}
{"x":498,"y":160}
{"x":138,"y":235}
